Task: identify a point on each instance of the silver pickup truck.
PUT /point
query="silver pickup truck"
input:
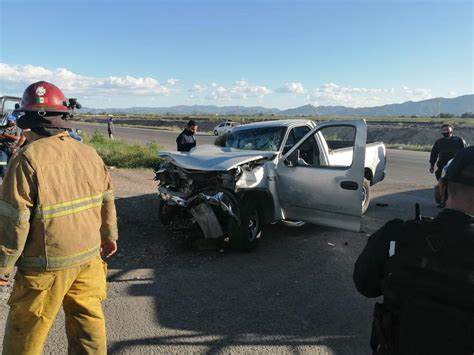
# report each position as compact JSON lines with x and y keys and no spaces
{"x":287,"y":170}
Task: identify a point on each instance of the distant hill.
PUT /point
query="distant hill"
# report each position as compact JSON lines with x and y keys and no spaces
{"x":189,"y":110}
{"x":431,"y":107}
{"x":426,"y":108}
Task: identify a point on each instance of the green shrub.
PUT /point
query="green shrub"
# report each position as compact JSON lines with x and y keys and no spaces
{"x":415,"y":147}
{"x":120,"y":154}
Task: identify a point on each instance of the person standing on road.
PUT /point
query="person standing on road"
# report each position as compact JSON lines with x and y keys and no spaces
{"x":110,"y":126}
{"x":9,"y":139}
{"x":444,"y":149}
{"x":186,"y":140}
{"x":57,"y":217}
{"x":424,"y":270}
{"x":440,"y":190}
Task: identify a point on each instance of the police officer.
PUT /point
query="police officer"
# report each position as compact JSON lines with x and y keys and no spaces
{"x":424,"y":269}
{"x":186,"y":140}
{"x":444,"y":149}
{"x":57,"y":217}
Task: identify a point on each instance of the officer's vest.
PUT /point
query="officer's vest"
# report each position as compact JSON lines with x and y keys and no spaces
{"x":429,"y":288}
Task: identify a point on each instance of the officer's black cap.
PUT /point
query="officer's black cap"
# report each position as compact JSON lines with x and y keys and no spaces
{"x":461,"y":169}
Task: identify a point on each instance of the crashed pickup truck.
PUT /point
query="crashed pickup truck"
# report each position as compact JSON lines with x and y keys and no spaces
{"x":286,"y":170}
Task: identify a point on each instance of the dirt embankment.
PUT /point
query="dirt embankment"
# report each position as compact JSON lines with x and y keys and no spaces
{"x":403,"y":133}
{"x":414,"y":134}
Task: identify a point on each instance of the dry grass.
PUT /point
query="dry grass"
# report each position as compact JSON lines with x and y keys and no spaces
{"x":120,"y":154}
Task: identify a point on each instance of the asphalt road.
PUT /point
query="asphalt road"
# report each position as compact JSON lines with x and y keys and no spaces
{"x":293,"y":295}
{"x":165,"y":139}
{"x":403,"y":166}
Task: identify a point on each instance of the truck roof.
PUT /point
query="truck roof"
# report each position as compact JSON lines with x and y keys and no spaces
{"x":274,"y":123}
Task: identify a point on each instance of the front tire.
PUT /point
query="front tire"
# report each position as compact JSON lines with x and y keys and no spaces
{"x":246,"y":237}
{"x":216,"y":133}
{"x":365,"y":196}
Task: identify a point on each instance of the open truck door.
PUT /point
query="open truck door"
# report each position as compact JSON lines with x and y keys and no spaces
{"x":320,"y":179}
{"x":7,"y":105}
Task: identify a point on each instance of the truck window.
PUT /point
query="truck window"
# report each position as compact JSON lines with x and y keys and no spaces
{"x":300,"y":132}
{"x":340,"y":145}
{"x":294,"y":136}
{"x":339,"y":137}
{"x":264,"y":138}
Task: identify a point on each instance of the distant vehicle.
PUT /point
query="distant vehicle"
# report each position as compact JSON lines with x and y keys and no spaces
{"x":225,"y":127}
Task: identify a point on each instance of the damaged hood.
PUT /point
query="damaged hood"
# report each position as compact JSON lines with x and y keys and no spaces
{"x":214,"y":158}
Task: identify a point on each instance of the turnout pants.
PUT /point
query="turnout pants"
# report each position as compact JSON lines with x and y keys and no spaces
{"x":36,"y":299}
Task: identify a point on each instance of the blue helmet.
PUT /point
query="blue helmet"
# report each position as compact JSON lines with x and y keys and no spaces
{"x":11,"y":118}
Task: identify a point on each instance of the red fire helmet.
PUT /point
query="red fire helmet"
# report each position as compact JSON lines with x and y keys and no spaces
{"x":43,"y":97}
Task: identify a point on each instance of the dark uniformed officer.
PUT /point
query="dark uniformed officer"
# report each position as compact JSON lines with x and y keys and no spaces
{"x":186,"y":141}
{"x":444,"y":149}
{"x":424,"y":269}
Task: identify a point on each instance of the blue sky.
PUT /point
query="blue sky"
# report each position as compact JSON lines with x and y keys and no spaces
{"x":271,"y":53}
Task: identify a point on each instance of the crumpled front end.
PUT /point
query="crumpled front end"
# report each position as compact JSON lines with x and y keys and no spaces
{"x":195,"y":198}
{"x":207,"y":199}
{"x":213,"y":210}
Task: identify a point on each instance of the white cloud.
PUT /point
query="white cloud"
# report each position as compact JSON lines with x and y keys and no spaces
{"x":17,"y":77}
{"x":198,"y":88}
{"x":172,"y":81}
{"x":296,"y":88}
{"x":333,"y":94}
{"x":422,"y":93}
{"x":241,"y":90}
{"x":418,"y":93}
{"x":129,"y":90}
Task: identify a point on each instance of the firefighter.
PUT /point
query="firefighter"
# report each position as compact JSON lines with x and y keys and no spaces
{"x":186,"y":140}
{"x":424,"y":270}
{"x":444,"y":149}
{"x":57,"y":218}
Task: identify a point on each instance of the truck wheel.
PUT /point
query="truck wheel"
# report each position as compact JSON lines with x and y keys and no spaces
{"x":365,"y":195}
{"x":165,"y":212}
{"x":247,"y":236}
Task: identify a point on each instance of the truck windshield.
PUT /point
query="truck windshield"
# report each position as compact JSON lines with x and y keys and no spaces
{"x":265,"y":138}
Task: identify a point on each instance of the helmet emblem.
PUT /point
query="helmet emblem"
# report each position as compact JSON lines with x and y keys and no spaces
{"x":40,"y":91}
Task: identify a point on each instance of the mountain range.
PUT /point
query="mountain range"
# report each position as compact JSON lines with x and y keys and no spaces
{"x":426,"y":108}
